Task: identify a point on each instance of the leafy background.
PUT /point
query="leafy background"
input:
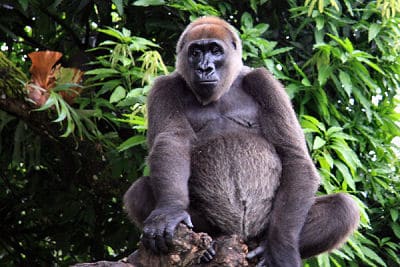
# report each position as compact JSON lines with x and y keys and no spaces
{"x":61,"y":195}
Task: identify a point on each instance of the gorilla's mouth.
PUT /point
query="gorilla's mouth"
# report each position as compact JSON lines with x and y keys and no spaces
{"x":208,"y":82}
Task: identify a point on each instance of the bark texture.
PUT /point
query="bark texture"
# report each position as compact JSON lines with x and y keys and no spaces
{"x":188,"y":247}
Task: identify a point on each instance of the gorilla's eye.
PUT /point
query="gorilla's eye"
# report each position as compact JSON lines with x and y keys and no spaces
{"x":195,"y":52}
{"x":216,"y":50}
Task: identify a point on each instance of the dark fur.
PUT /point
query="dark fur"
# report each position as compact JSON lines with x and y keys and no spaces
{"x":236,"y":165}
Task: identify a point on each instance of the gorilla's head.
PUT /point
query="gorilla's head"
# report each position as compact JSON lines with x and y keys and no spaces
{"x":209,"y":57}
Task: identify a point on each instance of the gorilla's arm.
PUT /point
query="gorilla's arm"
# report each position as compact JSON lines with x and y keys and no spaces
{"x":169,"y":139}
{"x":299,"y":180}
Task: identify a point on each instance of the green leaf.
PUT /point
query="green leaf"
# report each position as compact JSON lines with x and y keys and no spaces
{"x":102,"y":71}
{"x":312,"y":123}
{"x":318,"y":143}
{"x":394,"y":213}
{"x":323,"y":260}
{"x":149,"y":3}
{"x":320,"y":21}
{"x":346,"y":44}
{"x":396,"y":229}
{"x":120,"y":6}
{"x":373,"y":31}
{"x":346,"y":174}
{"x":347,"y":155}
{"x":346,"y":82}
{"x":112,"y":32}
{"x":279,"y":51}
{"x":324,"y":72}
{"x":364,"y":102}
{"x":369,"y":253}
{"x":132,"y":141}
{"x":118,"y":94}
{"x":247,"y":20}
{"x":305,"y":81}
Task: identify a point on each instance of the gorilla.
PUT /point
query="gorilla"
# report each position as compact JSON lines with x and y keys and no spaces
{"x":228,"y":156}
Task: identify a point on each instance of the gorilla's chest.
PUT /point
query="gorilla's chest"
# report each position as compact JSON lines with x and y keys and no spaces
{"x":233,"y":112}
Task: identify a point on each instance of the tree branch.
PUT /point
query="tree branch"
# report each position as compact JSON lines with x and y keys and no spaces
{"x":187,"y":249}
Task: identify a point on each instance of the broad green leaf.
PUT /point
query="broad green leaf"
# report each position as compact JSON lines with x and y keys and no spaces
{"x":279,"y":51}
{"x":149,"y":3}
{"x":372,"y":65}
{"x":347,"y":156}
{"x":396,"y":229}
{"x":318,"y":143}
{"x":102,"y":71}
{"x":118,"y":94}
{"x":247,"y":20}
{"x":309,"y":122}
{"x":346,"y":174}
{"x":323,"y":74}
{"x":320,"y":21}
{"x":328,"y":159}
{"x":373,"y":31}
{"x":394,"y":214}
{"x":112,"y":32}
{"x":372,"y":255}
{"x":323,"y":260}
{"x":346,"y":44}
{"x":332,"y":130}
{"x":322,"y":102}
{"x":132,"y":141}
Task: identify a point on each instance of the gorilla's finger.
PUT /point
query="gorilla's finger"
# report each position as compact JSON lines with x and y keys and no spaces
{"x":169,"y":233}
{"x":152,"y":246}
{"x":188,"y":222}
{"x":149,"y":234}
{"x":211,"y":250}
{"x":262,"y":263}
{"x":255,"y":252}
{"x":160,"y":244}
{"x":206,"y":257}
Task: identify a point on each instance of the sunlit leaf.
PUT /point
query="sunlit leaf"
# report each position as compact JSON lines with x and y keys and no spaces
{"x":149,"y":2}
{"x":373,"y":31}
{"x":131,"y":142}
{"x":318,"y":143}
{"x":118,"y":94}
{"x":346,"y":82}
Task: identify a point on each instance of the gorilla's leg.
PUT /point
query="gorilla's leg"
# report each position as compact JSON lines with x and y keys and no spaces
{"x":330,"y":221}
{"x":139,"y":202}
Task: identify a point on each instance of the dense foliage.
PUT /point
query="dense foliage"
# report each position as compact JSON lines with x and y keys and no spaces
{"x":61,"y":195}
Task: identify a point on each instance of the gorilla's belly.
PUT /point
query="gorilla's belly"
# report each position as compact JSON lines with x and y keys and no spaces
{"x":233,"y":181}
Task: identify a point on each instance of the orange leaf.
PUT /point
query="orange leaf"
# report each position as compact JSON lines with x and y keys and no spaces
{"x":42,"y":74}
{"x":42,"y":67}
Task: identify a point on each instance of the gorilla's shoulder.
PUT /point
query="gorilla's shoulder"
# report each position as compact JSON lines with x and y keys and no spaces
{"x":167,"y":87}
{"x":257,"y":73}
{"x":169,"y":82}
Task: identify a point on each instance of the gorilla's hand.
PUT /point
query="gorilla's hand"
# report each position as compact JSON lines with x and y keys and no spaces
{"x":159,"y":227}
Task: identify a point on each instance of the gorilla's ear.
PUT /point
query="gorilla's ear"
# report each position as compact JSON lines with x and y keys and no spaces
{"x":234,"y":45}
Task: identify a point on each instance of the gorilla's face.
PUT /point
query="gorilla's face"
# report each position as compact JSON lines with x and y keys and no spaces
{"x":207,"y":64}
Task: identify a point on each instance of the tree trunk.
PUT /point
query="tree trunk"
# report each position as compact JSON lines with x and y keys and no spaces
{"x":12,"y":79}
